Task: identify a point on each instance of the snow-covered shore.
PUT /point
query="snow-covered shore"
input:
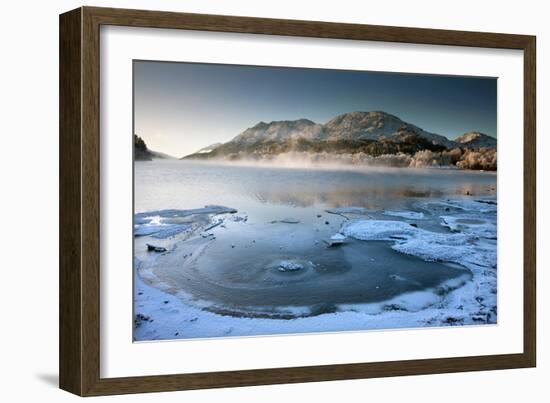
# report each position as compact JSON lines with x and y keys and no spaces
{"x":466,"y":236}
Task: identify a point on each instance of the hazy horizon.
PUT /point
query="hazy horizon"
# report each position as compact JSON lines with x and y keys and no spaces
{"x":182,"y":107}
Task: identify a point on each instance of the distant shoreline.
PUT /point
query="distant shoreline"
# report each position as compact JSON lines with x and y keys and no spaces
{"x":335,"y":161}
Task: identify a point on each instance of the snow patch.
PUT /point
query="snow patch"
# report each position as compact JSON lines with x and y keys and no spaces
{"x":378,"y":230}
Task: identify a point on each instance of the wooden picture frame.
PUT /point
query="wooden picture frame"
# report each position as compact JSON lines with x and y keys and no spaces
{"x":79,"y":348}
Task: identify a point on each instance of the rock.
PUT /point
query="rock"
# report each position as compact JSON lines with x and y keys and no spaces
{"x":140,"y":318}
{"x":336,"y":240}
{"x":450,"y":320}
{"x":153,"y":248}
{"x":286,"y":265}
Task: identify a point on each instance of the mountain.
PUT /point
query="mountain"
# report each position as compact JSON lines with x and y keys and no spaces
{"x":143,"y":153}
{"x":281,"y":131}
{"x":374,"y":133}
{"x":476,"y":140}
{"x":373,"y":137}
{"x":376,"y":125}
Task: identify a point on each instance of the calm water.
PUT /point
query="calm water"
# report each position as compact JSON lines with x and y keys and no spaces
{"x":185,"y":184}
{"x":237,"y":271}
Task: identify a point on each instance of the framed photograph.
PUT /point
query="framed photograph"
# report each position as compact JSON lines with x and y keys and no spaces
{"x":249,"y":201}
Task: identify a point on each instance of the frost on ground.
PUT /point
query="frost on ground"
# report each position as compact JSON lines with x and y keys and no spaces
{"x":466,"y":235}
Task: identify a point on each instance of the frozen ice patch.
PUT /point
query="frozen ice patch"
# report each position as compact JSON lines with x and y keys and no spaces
{"x":163,"y":224}
{"x":484,"y":206}
{"x":472,"y":225}
{"x":409,"y":215}
{"x":172,"y":213}
{"x":456,"y":248}
{"x":378,"y":230}
{"x":430,"y":246}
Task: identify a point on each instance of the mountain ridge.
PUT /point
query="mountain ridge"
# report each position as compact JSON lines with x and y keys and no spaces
{"x":377,"y":129}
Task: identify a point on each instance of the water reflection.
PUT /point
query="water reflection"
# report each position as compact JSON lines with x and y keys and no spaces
{"x":375,"y":197}
{"x":184,"y":184}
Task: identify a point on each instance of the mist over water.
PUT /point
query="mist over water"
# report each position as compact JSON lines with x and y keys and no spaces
{"x":250,"y":186}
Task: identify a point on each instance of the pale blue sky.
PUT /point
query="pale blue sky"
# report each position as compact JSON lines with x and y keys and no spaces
{"x":181,"y":107}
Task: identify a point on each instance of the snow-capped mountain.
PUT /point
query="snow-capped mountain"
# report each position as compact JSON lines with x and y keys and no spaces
{"x":375,"y":125}
{"x":281,"y":131}
{"x":476,"y":140}
{"x":374,"y":133}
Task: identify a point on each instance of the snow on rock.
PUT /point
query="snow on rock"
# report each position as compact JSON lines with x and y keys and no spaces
{"x":154,"y":248}
{"x":335,"y":240}
{"x":287,"y":265}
